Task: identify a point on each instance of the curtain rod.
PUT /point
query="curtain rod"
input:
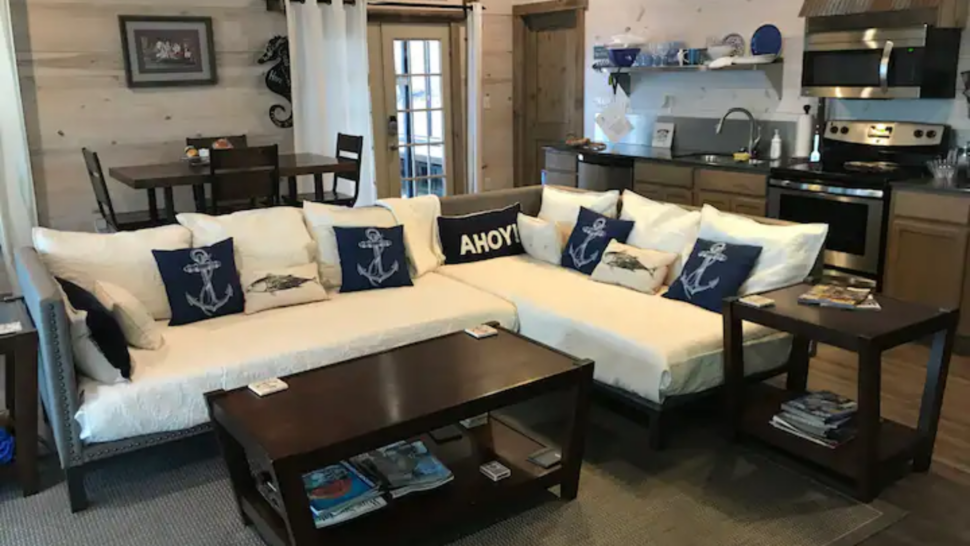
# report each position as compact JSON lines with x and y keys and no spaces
{"x":397,"y":4}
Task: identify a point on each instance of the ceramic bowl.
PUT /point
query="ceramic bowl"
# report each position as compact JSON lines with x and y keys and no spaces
{"x":720,"y":51}
{"x":624,"y":57}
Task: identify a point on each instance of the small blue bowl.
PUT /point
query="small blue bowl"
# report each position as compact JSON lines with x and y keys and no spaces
{"x":624,"y":58}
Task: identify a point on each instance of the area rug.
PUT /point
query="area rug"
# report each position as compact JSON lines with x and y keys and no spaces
{"x":699,"y":491}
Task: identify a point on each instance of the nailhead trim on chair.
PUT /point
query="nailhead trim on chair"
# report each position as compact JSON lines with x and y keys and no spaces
{"x":76,"y":456}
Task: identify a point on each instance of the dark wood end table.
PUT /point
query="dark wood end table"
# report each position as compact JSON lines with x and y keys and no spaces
{"x":336,"y":412}
{"x":19,"y":350}
{"x":882,"y":448}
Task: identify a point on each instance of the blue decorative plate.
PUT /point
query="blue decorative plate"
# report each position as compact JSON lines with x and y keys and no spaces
{"x":766,"y":41}
{"x":737,"y":42}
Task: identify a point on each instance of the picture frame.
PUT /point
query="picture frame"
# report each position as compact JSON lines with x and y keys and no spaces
{"x":168,"y":51}
{"x":663,"y":135}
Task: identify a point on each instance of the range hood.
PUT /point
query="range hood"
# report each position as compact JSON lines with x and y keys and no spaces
{"x":938,"y":13}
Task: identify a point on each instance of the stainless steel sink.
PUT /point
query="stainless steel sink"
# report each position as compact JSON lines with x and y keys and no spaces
{"x":720,"y":159}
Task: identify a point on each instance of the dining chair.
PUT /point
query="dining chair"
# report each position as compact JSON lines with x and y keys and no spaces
{"x":117,"y":221}
{"x":244,"y":178}
{"x":198,"y":190}
{"x":349,"y":148}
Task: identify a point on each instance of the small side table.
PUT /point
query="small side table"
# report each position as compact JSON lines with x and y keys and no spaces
{"x":881,"y":448}
{"x":20,"y":362}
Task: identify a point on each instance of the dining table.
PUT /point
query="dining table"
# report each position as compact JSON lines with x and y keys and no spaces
{"x":167,"y":176}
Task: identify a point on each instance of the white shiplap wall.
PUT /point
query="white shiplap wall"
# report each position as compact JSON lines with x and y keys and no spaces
{"x":709,"y":95}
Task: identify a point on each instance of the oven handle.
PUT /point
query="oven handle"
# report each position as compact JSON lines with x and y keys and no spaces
{"x":887,"y":54}
{"x":830,"y":190}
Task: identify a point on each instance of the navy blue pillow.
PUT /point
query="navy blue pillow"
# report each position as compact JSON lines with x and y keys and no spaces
{"x":713,"y":272}
{"x":482,"y":236}
{"x":201,"y":283}
{"x":105,"y":330}
{"x":372,"y":258}
{"x":590,"y":237}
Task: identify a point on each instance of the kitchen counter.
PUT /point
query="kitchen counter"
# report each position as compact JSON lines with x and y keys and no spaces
{"x":686,"y":158}
{"x":926,"y":185}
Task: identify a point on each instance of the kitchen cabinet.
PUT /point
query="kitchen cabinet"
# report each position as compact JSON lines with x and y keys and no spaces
{"x":927,"y":254}
{"x":667,"y":194}
{"x":560,"y":168}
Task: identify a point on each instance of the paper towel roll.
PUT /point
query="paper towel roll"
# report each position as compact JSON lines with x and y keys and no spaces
{"x":804,"y":134}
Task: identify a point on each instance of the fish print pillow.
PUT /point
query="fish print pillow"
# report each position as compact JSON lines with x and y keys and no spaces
{"x":634,"y":268}
{"x":282,"y":287}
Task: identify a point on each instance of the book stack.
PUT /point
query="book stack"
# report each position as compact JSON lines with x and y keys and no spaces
{"x":404,"y":467}
{"x":840,"y":297}
{"x":339,"y":493}
{"x":824,"y":418}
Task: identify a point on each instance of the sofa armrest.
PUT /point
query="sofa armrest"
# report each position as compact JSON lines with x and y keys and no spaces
{"x":57,"y":381}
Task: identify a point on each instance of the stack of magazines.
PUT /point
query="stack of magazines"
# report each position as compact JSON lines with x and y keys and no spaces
{"x":404,"y":467}
{"x":841,"y":297}
{"x":339,"y":493}
{"x":824,"y":418}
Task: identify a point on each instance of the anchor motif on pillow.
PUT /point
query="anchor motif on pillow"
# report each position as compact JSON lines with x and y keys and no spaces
{"x":207,"y":301}
{"x":578,"y":254}
{"x":375,"y":272}
{"x":692,"y":281}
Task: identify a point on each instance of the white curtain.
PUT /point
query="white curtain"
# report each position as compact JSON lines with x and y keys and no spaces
{"x":18,"y":209}
{"x":475,"y":97}
{"x":329,"y":74}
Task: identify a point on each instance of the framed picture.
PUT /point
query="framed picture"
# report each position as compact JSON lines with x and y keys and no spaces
{"x":663,"y":135}
{"x":168,"y":51}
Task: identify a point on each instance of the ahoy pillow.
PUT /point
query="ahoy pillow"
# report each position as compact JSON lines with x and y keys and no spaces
{"x":714,"y":271}
{"x":372,"y":258}
{"x":201,"y":283}
{"x":590,"y":237}
{"x":481,"y":236}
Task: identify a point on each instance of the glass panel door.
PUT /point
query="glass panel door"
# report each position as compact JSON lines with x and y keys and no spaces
{"x":418,"y":102}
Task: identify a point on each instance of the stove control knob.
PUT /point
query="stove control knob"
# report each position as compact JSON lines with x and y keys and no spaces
{"x":931,"y":134}
{"x":845,"y":130}
{"x":918,"y":133}
{"x":834,"y":130}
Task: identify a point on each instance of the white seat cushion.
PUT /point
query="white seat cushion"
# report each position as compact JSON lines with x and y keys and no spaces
{"x":647,"y":345}
{"x":562,"y":206}
{"x":167,"y":387}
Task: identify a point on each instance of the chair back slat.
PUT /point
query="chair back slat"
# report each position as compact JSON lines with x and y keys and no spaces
{"x":241,"y":174}
{"x":349,"y":148}
{"x":96,"y":175}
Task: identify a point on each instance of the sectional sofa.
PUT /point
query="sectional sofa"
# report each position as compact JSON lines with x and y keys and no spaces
{"x":647,"y":349}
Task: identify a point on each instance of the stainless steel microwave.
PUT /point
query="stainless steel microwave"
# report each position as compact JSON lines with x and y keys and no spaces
{"x":882,"y":63}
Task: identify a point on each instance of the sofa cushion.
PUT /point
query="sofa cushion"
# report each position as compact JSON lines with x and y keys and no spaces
{"x":663,"y":227}
{"x":483,"y":236}
{"x":560,"y":205}
{"x":647,"y":345}
{"x":372,"y":258}
{"x":542,"y":240}
{"x":104,"y":329}
{"x":136,"y":322}
{"x":714,"y":271}
{"x":419,"y":216}
{"x":124,"y":259}
{"x":201,"y":283}
{"x":263,"y":238}
{"x":167,"y":387}
{"x":89,"y":361}
{"x":321,"y":219}
{"x":282,"y":287}
{"x":590,"y":237}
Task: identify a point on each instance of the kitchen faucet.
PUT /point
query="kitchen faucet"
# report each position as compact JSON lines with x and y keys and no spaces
{"x":753,"y":141}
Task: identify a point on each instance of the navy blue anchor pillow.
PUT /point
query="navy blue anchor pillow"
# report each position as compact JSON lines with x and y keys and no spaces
{"x":372,"y":258}
{"x":201,"y":283}
{"x":589,"y":239}
{"x":713,"y":272}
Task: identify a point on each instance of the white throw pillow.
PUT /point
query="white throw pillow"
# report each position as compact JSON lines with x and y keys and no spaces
{"x":663,"y":227}
{"x":263,"y":239}
{"x":419,"y":216}
{"x":320,"y":220}
{"x":543,"y":240}
{"x":635,"y":268}
{"x":788,"y":253}
{"x":123,"y":259}
{"x":136,"y":322}
{"x":562,"y":206}
{"x":88,"y":358}
{"x":282,"y":288}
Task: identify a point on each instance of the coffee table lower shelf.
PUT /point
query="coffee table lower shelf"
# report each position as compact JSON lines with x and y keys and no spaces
{"x":420,"y":513}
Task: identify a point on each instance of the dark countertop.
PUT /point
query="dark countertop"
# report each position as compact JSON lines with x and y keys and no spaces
{"x":926,"y":185}
{"x":686,"y":158}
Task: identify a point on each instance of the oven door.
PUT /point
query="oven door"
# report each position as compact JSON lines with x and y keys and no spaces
{"x":854,"y":216}
{"x":865,"y":64}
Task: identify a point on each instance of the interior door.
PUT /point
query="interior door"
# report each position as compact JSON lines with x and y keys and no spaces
{"x":551,"y":76}
{"x":411,"y":94}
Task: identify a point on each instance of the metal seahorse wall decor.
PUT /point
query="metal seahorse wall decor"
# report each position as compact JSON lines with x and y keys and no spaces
{"x":278,"y":79}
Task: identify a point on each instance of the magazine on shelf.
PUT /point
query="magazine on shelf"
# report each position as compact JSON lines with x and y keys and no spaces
{"x":349,"y":513}
{"x":813,"y":425}
{"x":336,"y":487}
{"x":843,"y":297}
{"x":783,"y":426}
{"x":824,"y":407}
{"x":843,"y":431}
{"x":405,"y":467}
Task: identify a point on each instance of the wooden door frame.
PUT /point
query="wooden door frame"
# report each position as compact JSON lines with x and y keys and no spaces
{"x":519,"y":37}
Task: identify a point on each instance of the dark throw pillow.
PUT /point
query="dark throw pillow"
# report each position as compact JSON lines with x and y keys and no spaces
{"x":201,"y":283}
{"x":713,"y":272}
{"x":105,"y":330}
{"x":590,"y":237}
{"x":372,"y":258}
{"x":481,"y":236}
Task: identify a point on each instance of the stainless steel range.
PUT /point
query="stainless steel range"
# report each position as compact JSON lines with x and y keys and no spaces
{"x":850,"y":189}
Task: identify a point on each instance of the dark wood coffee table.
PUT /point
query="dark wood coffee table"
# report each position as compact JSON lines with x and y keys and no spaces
{"x":339,"y":411}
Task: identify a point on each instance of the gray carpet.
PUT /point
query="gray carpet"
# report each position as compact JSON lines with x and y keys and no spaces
{"x":700,"y":491}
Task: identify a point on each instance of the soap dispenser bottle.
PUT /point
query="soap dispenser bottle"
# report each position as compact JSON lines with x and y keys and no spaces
{"x":776,"y":146}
